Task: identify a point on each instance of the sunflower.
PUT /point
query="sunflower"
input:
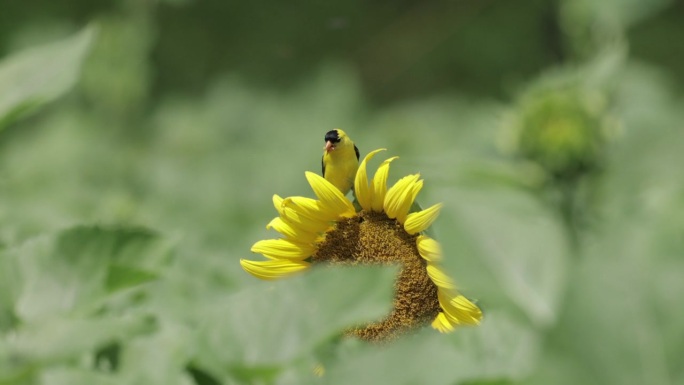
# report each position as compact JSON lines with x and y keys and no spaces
{"x":330,"y":230}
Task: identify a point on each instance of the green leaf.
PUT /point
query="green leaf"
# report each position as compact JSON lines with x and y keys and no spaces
{"x":121,"y":277}
{"x":619,"y":324}
{"x":76,"y":269}
{"x":168,"y":351}
{"x":69,"y":375}
{"x":624,"y":12}
{"x":10,"y":284}
{"x":57,"y":338}
{"x":499,"y":349}
{"x":257,"y":330}
{"x":512,"y":238}
{"x":52,"y":340}
{"x":38,"y":75}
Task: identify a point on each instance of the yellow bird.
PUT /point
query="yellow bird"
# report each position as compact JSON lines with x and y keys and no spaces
{"x":340,"y":160}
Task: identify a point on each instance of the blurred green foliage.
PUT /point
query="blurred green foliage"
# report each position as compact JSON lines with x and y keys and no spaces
{"x":138,"y":157}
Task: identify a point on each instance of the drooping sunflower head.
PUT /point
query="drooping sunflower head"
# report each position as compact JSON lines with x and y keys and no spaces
{"x":329,"y":230}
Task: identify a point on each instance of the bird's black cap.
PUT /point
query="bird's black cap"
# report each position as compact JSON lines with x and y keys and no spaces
{"x":332,"y":136}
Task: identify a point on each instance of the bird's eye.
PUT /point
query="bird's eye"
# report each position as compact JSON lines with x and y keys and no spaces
{"x":332,"y":136}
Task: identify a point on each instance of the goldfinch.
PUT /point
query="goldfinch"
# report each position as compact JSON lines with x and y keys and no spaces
{"x":340,"y":160}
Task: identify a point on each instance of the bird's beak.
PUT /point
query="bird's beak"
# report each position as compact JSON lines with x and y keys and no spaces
{"x":329,"y":146}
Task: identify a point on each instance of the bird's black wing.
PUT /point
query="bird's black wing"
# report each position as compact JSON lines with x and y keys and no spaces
{"x":322,"y":167}
{"x":357,"y":152}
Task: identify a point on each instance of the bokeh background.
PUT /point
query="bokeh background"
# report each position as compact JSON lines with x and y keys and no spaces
{"x":142,"y":141}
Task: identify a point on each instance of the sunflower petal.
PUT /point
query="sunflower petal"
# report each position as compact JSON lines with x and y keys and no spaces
{"x":330,"y":196}
{"x":319,"y":370}
{"x":310,"y":208}
{"x":300,"y":221}
{"x":361,"y":189}
{"x":458,"y":309}
{"x":283,"y":249}
{"x":273,"y":269}
{"x":410,"y":197}
{"x":429,"y":249}
{"x":440,"y":278}
{"x":396,"y":198}
{"x":420,"y":221}
{"x":442,"y":324}
{"x":291,"y":231}
{"x":378,"y":185}
{"x":278,"y":203}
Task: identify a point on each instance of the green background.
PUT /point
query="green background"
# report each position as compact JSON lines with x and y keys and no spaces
{"x":142,"y":142}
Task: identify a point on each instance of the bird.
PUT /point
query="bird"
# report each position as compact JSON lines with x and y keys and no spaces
{"x":340,"y":160}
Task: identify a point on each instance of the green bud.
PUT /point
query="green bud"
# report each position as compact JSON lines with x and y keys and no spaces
{"x":561,"y":130}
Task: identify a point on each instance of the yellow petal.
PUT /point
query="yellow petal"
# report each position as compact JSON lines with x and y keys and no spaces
{"x":294,"y":217}
{"x":440,"y":278}
{"x":397,"y":196}
{"x":310,"y":208}
{"x":291,"y":231}
{"x":420,"y":221}
{"x":361,"y":189}
{"x":283,"y":249}
{"x":406,"y":204}
{"x":298,"y":217}
{"x":330,"y":196}
{"x":429,"y":249}
{"x":378,"y":185}
{"x":442,"y":324}
{"x":458,"y":309}
{"x":319,"y":370}
{"x":278,"y":203}
{"x":273,"y":269}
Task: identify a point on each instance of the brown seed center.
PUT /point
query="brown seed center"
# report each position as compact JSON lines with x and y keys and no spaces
{"x":374,"y":239}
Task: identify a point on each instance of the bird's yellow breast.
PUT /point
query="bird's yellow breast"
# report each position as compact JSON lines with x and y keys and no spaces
{"x":340,"y":167}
